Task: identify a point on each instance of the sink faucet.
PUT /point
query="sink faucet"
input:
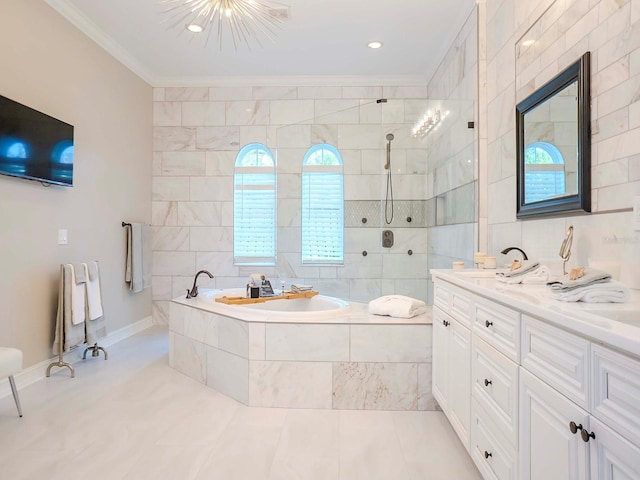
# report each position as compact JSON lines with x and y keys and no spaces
{"x":194,"y":290}
{"x":508,"y":249}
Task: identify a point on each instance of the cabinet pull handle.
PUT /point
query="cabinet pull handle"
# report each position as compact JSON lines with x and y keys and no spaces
{"x":487,"y":382}
{"x":487,"y":323}
{"x":487,"y":454}
{"x":586,"y":436}
{"x":574,"y":428}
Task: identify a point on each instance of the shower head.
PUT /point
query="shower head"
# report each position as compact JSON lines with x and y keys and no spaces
{"x":390,"y":137}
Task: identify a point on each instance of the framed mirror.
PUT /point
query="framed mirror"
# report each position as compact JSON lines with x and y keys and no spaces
{"x":553,"y":134}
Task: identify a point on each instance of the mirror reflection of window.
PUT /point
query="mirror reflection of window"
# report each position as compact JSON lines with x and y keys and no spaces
{"x":543,"y":172}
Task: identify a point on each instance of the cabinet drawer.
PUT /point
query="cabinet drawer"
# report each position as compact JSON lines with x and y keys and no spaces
{"x":559,"y":358}
{"x":492,"y":454}
{"x":495,"y":387}
{"x":499,"y":326}
{"x":615,"y":391}
{"x":461,"y":306}
{"x":441,"y":295}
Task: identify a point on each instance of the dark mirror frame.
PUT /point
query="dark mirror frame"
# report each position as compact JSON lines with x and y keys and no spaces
{"x":581,"y":201}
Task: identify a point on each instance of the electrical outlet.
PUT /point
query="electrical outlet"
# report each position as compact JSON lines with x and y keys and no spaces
{"x":636,"y":213}
{"x":63,"y":237}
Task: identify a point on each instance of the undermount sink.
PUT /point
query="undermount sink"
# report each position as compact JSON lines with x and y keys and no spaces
{"x":476,"y":273}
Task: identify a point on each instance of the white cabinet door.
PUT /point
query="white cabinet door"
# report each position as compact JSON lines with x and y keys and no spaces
{"x":460,"y":380}
{"x":440,"y":358}
{"x":612,"y":457}
{"x":548,"y":448}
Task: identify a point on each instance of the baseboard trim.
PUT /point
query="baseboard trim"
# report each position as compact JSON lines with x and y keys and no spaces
{"x":37,"y":372}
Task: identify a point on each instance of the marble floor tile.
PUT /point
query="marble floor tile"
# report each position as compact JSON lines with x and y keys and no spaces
{"x":135,"y":418}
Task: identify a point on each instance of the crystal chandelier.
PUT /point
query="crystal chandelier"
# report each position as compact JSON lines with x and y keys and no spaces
{"x":246,"y":20}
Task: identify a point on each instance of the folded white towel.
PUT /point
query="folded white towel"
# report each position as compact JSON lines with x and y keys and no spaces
{"x":525,"y":267}
{"x":609,"y":292}
{"x":94,"y":297}
{"x":398,"y":306}
{"x":539,"y":276}
{"x":301,"y":288}
{"x":78,"y":296}
{"x":591,"y":277}
{"x":138,"y":268}
{"x":67,"y":334}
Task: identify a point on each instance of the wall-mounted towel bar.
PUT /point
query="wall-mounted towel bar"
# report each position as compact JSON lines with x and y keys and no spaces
{"x":125,"y":224}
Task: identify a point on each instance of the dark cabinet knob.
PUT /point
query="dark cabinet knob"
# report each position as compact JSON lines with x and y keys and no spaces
{"x":487,"y":323}
{"x":445,"y":323}
{"x":574,"y":428}
{"x":586,"y":436}
{"x":487,"y":382}
{"x":487,"y":454}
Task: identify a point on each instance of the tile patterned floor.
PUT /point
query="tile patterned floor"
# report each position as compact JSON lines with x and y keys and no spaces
{"x":132,"y":417}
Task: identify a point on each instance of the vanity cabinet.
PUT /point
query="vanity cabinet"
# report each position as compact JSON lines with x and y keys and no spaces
{"x":546,"y":402}
{"x":451,"y":371}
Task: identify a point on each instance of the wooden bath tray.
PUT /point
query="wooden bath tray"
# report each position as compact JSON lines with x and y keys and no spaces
{"x":244,"y":300}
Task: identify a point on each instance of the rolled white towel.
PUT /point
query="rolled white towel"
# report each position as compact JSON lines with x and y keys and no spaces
{"x":609,"y":292}
{"x":539,"y":276}
{"x":398,"y":306}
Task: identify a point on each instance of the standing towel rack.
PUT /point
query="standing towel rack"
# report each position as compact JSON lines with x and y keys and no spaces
{"x":95,"y":348}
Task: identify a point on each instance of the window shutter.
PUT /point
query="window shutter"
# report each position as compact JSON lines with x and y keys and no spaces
{"x":254,"y":214}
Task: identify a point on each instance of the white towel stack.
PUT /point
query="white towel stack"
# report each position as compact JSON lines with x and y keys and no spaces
{"x":595,"y":286}
{"x":539,"y":275}
{"x":398,"y":306}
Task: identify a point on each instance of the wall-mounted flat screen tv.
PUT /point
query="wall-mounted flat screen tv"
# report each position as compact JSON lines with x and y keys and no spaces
{"x":34,"y":145}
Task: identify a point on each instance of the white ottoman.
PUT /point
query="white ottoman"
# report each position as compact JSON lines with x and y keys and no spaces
{"x":10,"y":364}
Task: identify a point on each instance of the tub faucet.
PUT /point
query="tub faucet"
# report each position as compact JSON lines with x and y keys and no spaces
{"x":508,"y":249}
{"x":194,"y":290}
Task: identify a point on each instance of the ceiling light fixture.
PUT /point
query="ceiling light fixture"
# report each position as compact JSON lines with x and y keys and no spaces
{"x":374,"y":45}
{"x":246,"y":20}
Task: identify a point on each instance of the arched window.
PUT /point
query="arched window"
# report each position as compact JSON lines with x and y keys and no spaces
{"x":322,"y":206}
{"x":544,"y":172}
{"x":254,"y":206}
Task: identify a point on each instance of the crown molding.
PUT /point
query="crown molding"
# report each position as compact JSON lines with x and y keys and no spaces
{"x":293,"y":81}
{"x":91,"y":30}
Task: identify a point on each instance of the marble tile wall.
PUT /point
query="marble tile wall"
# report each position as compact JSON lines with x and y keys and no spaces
{"x":452,"y":174}
{"x":364,"y":367}
{"x":565,"y":30}
{"x":198,"y":132}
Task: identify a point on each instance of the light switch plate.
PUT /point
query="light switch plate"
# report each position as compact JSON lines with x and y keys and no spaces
{"x":63,"y":237}
{"x":636,"y":213}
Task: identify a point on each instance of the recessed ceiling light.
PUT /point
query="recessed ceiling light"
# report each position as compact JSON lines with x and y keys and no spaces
{"x":527,"y":43}
{"x":194,"y":27}
{"x":374,"y":45}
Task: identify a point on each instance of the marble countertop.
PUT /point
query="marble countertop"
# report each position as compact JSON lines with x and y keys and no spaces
{"x":613,"y":324}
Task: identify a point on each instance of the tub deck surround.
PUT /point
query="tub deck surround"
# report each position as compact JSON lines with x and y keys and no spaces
{"x":341,"y":358}
{"x":615,"y":324}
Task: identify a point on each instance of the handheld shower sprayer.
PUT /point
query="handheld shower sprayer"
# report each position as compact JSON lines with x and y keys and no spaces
{"x":390,"y":137}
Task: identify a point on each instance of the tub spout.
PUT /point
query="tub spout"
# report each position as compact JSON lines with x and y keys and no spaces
{"x":194,"y":290}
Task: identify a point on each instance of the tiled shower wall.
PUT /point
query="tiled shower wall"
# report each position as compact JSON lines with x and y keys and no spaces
{"x":566,"y":29}
{"x":198,"y":132}
{"x":452,"y":174}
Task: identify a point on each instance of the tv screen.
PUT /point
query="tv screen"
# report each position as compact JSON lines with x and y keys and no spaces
{"x":34,"y":145}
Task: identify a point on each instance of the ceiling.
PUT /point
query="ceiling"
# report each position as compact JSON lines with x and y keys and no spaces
{"x":321,"y":38}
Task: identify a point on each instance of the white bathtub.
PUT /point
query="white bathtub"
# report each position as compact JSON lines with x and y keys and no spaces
{"x":319,"y":308}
